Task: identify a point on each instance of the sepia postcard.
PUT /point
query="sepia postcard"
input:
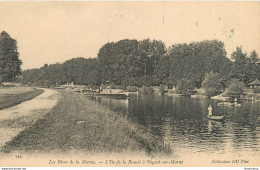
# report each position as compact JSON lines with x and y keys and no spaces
{"x":129,"y":84}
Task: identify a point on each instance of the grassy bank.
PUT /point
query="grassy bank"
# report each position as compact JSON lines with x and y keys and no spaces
{"x":14,"y":95}
{"x":76,"y":123}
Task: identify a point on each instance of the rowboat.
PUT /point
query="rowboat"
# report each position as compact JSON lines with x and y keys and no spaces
{"x":219,"y":118}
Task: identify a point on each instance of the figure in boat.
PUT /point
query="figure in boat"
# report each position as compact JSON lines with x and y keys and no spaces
{"x":210,"y":115}
{"x":210,"y":110}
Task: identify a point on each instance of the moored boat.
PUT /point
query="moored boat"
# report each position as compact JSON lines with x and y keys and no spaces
{"x":198,"y":96}
{"x":225,"y":104}
{"x":116,"y":96}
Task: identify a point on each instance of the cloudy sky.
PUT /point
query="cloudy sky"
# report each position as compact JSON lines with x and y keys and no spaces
{"x":50,"y":32}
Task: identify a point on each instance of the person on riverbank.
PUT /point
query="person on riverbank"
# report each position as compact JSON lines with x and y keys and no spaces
{"x":210,"y":110}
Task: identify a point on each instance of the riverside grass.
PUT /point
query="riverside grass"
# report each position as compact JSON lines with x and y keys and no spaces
{"x":79,"y":124}
{"x":9,"y":100}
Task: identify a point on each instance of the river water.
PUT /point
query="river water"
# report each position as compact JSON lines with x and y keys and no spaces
{"x":182,"y":124}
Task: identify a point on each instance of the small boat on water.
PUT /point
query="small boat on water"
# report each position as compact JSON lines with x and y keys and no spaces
{"x":210,"y":115}
{"x":218,"y":118}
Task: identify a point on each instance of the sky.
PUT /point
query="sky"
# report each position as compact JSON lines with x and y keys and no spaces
{"x":51,"y":32}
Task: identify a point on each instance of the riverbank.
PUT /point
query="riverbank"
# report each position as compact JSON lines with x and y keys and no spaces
{"x":11,"y":96}
{"x":78,"y":124}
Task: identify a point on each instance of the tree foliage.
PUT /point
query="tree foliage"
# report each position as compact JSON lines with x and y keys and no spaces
{"x":185,"y":86}
{"x":130,"y":62}
{"x":148,"y":63}
{"x":236,"y":88}
{"x":192,"y":61}
{"x":212,"y":83}
{"x":162,"y":71}
{"x":78,"y":70}
{"x":10,"y":64}
{"x":245,"y":68}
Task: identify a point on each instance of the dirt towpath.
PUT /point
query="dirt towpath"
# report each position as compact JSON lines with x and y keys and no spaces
{"x":15,"y":119}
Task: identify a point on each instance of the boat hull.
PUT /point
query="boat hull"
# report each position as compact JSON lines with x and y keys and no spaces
{"x":225,"y":104}
{"x":115,"y":96}
{"x":218,"y":118}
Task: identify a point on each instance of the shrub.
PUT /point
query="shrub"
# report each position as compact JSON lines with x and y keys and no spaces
{"x":146,"y":90}
{"x":162,"y":88}
{"x":143,"y":90}
{"x":235,"y":88}
{"x":150,"y":90}
{"x":123,"y":87}
{"x":113,"y":86}
{"x":212,"y":84}
{"x":185,"y":86}
{"x":131,"y":88}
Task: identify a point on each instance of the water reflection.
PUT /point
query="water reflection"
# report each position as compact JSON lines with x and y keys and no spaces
{"x":182,"y":124}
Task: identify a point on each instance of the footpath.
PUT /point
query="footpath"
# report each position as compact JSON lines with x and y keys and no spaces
{"x":15,"y":119}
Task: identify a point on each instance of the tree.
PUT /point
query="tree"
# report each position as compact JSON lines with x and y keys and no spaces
{"x":245,"y":68}
{"x":104,"y":62}
{"x":130,"y":62}
{"x":162,"y":71}
{"x":10,"y":64}
{"x":240,"y":66}
{"x":147,"y":62}
{"x":252,"y":67}
{"x":150,"y":53}
{"x":212,"y":83}
{"x":236,"y":88}
{"x":192,"y":61}
{"x":177,"y":55}
{"x":79,"y":70}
